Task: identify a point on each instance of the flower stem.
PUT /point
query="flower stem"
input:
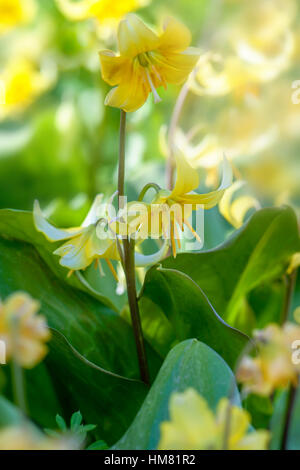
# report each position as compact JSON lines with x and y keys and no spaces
{"x":18,"y":386}
{"x":129,"y":265}
{"x":172,"y":132}
{"x":288,"y":416}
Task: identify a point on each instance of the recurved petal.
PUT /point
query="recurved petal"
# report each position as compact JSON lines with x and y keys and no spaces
{"x":175,"y":37}
{"x":187,"y":178}
{"x":212,"y":198}
{"x":257,"y":440}
{"x":134,"y":37}
{"x":175,"y":67}
{"x":114,"y":69}
{"x":96,"y":211}
{"x":52,"y":233}
{"x":130,"y":95}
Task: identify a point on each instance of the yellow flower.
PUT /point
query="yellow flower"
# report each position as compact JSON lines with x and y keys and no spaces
{"x":23,"y":331}
{"x":94,"y":240}
{"x":84,"y":244}
{"x":273,"y":367}
{"x":146,"y":62}
{"x":26,"y":438}
{"x":194,"y":426}
{"x":15,"y":12}
{"x":22,"y":84}
{"x":102,"y":10}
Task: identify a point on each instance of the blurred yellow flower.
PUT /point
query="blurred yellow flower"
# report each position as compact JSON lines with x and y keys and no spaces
{"x":235,"y":207}
{"x":194,"y":426}
{"x":22,"y":330}
{"x":102,"y":10}
{"x":22,"y":84}
{"x":295,"y":263}
{"x":15,"y":12}
{"x":146,"y":62}
{"x":26,"y":438}
{"x":273,"y":367}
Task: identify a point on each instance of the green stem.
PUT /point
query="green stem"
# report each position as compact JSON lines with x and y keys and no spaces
{"x":18,"y":385}
{"x":172,"y":132}
{"x":129,"y":265}
{"x":145,"y":189}
{"x":288,"y":416}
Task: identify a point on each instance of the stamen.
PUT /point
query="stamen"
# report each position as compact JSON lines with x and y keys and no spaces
{"x":99,"y":265}
{"x":177,"y":235}
{"x":157,"y":98}
{"x":70,"y":273}
{"x":173,"y":241}
{"x":109,"y":264}
{"x":193,"y":231}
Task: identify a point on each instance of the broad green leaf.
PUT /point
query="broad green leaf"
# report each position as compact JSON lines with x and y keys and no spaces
{"x":189,"y":364}
{"x":257,"y":253}
{"x":19,"y":225}
{"x":9,"y":414}
{"x":95,"y":331}
{"x":174,"y":308}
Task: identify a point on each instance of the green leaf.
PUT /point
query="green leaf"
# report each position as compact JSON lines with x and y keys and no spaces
{"x":9,"y":414}
{"x":174,"y":301}
{"x":189,"y":364}
{"x":19,"y":225}
{"x":98,"y":445}
{"x":99,"y":334}
{"x":257,"y":253}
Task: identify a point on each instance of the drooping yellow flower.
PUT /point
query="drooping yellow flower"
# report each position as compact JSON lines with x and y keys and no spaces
{"x":273,"y":367}
{"x":22,"y":84}
{"x":84,"y":244}
{"x":23,"y":331}
{"x":194,"y":426}
{"x":26,"y":438}
{"x":102,"y":10}
{"x":146,"y":62}
{"x":15,"y":12}
{"x":168,"y":213}
{"x":94,"y":240}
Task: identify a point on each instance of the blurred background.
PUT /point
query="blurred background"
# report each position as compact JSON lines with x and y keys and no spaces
{"x":59,"y":144}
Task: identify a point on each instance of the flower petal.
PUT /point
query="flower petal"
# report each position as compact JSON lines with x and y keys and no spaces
{"x":114,"y":69}
{"x":175,"y":67}
{"x":176,"y":36}
{"x":239,"y":421}
{"x":52,"y":233}
{"x":75,"y":11}
{"x":146,"y":260}
{"x":209,"y":200}
{"x":95,"y":212}
{"x":134,"y":37}
{"x":130,"y":95}
{"x":187,"y":177}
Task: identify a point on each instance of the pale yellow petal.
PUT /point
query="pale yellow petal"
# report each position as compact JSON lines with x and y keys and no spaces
{"x":51,"y":232}
{"x":187,"y":178}
{"x":239,"y":421}
{"x":176,"y":36}
{"x":114,"y":69}
{"x":75,"y":10}
{"x":209,"y":200}
{"x":95,"y":212}
{"x":257,"y":440}
{"x":134,"y":37}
